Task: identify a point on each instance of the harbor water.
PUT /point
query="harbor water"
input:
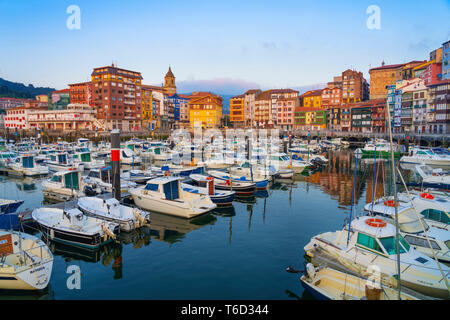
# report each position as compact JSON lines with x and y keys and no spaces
{"x":234,"y":253}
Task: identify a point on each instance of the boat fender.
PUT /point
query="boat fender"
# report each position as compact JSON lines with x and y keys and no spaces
{"x":310,"y":270}
{"x":108,"y":231}
{"x":427,"y":196}
{"x":390,"y":203}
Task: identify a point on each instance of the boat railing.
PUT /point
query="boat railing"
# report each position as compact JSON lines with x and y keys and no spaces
{"x":32,"y":256}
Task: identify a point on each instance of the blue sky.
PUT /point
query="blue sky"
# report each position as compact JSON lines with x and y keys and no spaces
{"x":229,"y":44}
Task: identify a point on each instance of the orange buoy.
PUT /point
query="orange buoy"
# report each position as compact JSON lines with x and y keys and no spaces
{"x":376,"y":223}
{"x":390,"y":203}
{"x":427,"y":196}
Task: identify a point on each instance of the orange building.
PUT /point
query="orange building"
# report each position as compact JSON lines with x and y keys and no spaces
{"x":312,"y":99}
{"x":81,"y":93}
{"x":237,"y":111}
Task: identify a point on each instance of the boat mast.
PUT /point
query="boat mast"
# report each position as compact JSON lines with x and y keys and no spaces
{"x":395,"y":198}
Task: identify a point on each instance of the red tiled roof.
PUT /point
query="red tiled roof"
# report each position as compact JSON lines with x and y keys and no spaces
{"x":391,"y":66}
{"x":62,"y":91}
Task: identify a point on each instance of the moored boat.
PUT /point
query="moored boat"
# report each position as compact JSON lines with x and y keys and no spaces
{"x":111,"y":210}
{"x":74,"y":228}
{"x":26,"y":262}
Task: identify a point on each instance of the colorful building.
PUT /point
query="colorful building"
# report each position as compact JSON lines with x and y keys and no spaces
{"x":432,"y":74}
{"x":81,"y":93}
{"x":331,"y":97}
{"x":312,"y":99}
{"x":180,"y":104}
{"x":117,"y":97}
{"x":205,"y":110}
{"x":446,"y":60}
{"x":354,"y":87}
{"x":310,"y":118}
{"x":237,"y":111}
{"x":249,"y":107}
{"x":75,"y":117}
{"x":58,"y":100}
{"x":285,"y":112}
{"x":438,"y":109}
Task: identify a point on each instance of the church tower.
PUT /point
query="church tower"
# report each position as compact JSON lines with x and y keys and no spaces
{"x":169,"y":83}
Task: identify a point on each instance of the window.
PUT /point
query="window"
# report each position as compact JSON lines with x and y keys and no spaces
{"x":390,"y":245}
{"x":369,"y":242}
{"x":422,"y":242}
{"x":436,"y":215}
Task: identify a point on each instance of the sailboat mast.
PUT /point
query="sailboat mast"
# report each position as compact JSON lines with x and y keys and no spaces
{"x":394,"y":178}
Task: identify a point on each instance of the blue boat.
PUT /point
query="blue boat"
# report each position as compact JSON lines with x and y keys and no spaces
{"x":221,"y":197}
{"x":9,"y":206}
{"x":8,"y":218}
{"x":260,"y":184}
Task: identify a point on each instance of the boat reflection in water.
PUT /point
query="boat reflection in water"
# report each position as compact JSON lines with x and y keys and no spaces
{"x":45,"y":294}
{"x":26,"y":184}
{"x":225,"y":211}
{"x":107,"y":254}
{"x":173,"y":229}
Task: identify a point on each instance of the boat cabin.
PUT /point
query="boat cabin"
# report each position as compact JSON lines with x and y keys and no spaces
{"x":70,"y":179}
{"x":168,"y":186}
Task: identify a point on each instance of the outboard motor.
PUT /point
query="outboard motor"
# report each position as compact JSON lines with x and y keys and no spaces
{"x":89,"y":191}
{"x":310,"y":270}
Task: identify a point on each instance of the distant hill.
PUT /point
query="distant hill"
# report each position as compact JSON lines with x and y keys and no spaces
{"x":19,"y":90}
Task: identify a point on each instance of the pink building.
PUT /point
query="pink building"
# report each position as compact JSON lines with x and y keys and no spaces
{"x":285,"y":112}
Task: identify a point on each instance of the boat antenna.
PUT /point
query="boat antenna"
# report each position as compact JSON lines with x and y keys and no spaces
{"x":394,"y":178}
{"x":353,"y":198}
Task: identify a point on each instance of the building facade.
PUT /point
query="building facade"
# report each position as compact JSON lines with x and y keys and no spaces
{"x":76,"y":117}
{"x":446,"y":60}
{"x":81,"y":93}
{"x":205,"y":110}
{"x":237,"y":111}
{"x":117,"y":97}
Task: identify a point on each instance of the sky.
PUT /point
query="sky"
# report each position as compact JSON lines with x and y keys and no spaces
{"x":228,"y":46}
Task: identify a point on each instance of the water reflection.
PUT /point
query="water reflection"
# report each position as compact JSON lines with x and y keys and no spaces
{"x":338,"y":177}
{"x":173,"y":229}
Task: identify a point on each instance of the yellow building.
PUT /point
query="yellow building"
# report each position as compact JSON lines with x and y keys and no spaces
{"x":147,"y":106}
{"x":205,"y":108}
{"x":312,"y":99}
{"x":42,"y":98}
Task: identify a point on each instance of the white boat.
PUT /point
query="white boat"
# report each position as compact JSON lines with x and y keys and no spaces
{"x":435,"y":177}
{"x":432,"y":205}
{"x":67,"y":185}
{"x":381,"y":147}
{"x":165,"y":195}
{"x":426,"y":156}
{"x":26,"y":262}
{"x":330,"y":284}
{"x":26,"y":166}
{"x":62,"y":162}
{"x":83,"y":156}
{"x":138,"y":176}
{"x":102,"y":178}
{"x":283,"y":161}
{"x":74,"y":228}
{"x":156,"y":153}
{"x":111,"y":210}
{"x":411,"y":228}
{"x":128,"y":157}
{"x":372,"y":243}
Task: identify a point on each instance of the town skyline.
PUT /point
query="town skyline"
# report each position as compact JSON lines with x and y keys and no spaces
{"x":257,"y":65}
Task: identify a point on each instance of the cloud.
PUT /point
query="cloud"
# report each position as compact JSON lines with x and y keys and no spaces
{"x":226,"y":86}
{"x":269,"y":45}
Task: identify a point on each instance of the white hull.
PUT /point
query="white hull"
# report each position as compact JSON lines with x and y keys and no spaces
{"x":175,"y":208}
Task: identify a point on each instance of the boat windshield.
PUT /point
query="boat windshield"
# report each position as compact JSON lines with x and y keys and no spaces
{"x":390,"y":245}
